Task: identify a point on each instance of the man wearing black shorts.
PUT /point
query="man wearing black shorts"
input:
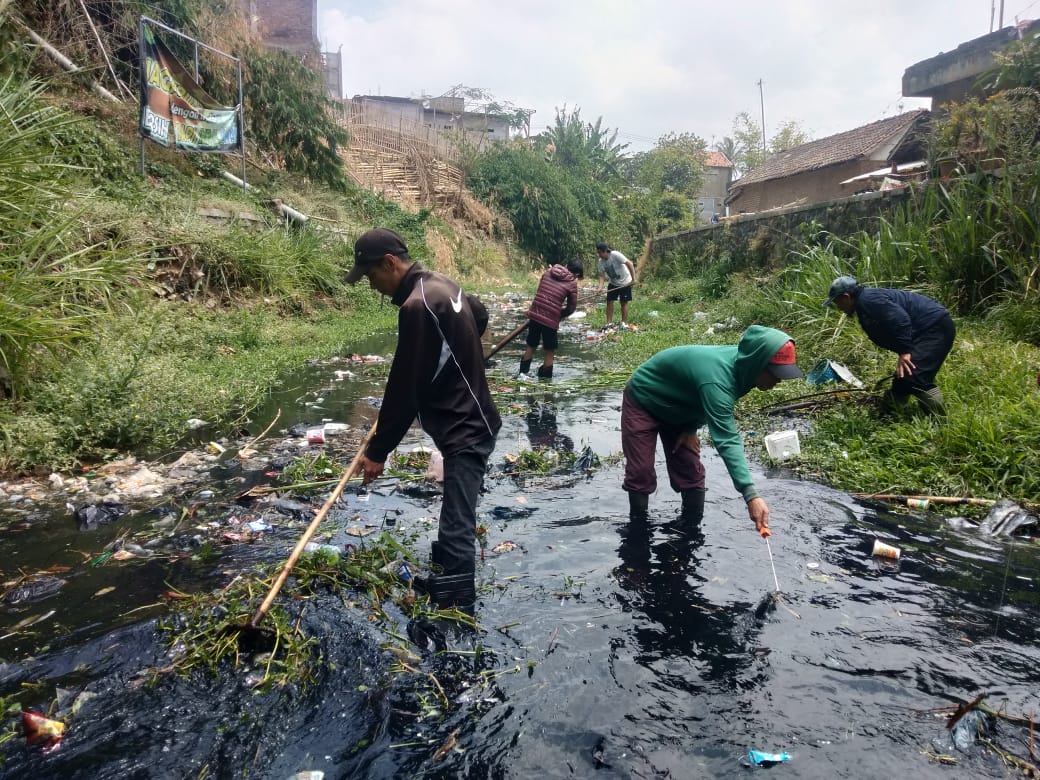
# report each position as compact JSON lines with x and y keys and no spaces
{"x":619,"y":273}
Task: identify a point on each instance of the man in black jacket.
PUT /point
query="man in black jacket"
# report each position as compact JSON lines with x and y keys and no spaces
{"x":913,"y":326}
{"x":438,"y":376}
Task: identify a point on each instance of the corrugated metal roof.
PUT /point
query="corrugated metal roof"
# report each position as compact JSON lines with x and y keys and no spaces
{"x":834,"y":149}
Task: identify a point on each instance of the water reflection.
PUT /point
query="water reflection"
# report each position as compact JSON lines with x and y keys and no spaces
{"x":660,"y":577}
{"x":543,"y":431}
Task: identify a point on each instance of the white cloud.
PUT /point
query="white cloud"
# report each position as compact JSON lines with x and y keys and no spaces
{"x":654,"y":66}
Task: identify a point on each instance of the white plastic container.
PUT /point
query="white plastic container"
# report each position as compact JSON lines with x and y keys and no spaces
{"x":783,"y":445}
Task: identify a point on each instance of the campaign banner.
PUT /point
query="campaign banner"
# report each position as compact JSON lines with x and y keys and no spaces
{"x":171,"y":100}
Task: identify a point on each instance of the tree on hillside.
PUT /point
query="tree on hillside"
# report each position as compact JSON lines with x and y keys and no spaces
{"x":587,"y":148}
{"x":478,"y":100}
{"x":675,"y":164}
{"x":747,"y":134}
{"x":747,"y":138}
{"x":790,"y":135}
{"x":668,"y":179}
{"x":538,"y":198}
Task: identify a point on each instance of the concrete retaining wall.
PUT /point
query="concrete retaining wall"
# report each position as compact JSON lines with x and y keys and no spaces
{"x":762,"y":241}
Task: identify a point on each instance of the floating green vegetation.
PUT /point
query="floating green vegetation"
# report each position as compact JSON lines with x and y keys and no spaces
{"x":314,"y":468}
{"x":413,"y":460}
{"x":210,"y":631}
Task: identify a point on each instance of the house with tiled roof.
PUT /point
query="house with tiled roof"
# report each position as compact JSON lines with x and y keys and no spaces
{"x":814,"y":172}
{"x":718,"y":173}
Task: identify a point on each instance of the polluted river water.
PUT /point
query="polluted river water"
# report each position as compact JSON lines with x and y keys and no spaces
{"x":604,"y":647}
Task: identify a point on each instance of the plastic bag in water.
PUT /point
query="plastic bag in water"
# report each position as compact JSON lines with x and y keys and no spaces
{"x":90,"y":516}
{"x":586,"y":461}
{"x":767,"y":759}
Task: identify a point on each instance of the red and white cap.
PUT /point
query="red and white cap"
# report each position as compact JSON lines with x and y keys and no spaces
{"x":783,"y":364}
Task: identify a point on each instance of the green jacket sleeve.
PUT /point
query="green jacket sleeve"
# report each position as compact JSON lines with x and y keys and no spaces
{"x":723,"y":428}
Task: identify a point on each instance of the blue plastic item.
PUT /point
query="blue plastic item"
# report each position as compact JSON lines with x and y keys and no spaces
{"x":828,"y":371}
{"x":822,"y":373}
{"x":767,"y":759}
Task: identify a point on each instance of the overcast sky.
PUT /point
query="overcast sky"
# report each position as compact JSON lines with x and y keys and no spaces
{"x":650,"y":67}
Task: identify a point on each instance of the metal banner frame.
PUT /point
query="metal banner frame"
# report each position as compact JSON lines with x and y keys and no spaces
{"x":196,"y":43}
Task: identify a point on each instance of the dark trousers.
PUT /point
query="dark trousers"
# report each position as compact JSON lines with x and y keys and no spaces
{"x":639,"y":432}
{"x":928,"y":352}
{"x":457,"y":535}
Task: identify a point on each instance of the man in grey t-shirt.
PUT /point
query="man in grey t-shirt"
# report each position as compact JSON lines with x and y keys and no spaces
{"x":619,"y":273}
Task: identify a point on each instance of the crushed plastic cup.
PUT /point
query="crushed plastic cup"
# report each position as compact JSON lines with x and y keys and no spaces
{"x":398,"y":568}
{"x":882,"y":550}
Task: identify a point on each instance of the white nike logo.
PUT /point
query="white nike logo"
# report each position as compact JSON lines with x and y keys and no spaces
{"x":456,"y":304}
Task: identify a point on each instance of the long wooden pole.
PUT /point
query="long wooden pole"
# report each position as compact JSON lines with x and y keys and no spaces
{"x":298,"y":549}
{"x":512,"y":335}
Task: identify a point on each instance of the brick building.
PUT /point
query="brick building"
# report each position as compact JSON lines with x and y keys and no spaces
{"x":285,"y":24}
{"x":292,"y":25}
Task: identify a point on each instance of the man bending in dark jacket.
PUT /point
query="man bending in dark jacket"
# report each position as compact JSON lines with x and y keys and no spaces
{"x":913,"y":326}
{"x":438,"y":376}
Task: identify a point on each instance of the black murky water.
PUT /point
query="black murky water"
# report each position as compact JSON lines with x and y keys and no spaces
{"x":605,"y":648}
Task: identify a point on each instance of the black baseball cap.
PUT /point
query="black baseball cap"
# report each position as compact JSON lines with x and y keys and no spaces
{"x":370,"y":249}
{"x":840,"y":286}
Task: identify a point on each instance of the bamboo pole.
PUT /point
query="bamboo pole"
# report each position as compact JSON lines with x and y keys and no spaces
{"x":97,"y":37}
{"x":68,"y":64}
{"x":512,"y":335}
{"x":950,"y":500}
{"x":309,"y":532}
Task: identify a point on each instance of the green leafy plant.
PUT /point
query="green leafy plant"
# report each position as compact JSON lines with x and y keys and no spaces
{"x":288,"y":112}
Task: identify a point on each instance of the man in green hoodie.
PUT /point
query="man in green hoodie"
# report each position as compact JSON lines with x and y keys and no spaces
{"x":679,"y":390}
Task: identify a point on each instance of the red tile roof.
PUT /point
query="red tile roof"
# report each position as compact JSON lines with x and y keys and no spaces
{"x":834,"y":149}
{"x":716,"y":159}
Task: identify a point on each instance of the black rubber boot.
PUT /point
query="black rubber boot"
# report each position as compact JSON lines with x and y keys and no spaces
{"x":436,"y":559}
{"x":457,"y":591}
{"x":545,"y":372}
{"x":525,"y":366}
{"x":423,"y":582}
{"x":892,"y":404}
{"x":932,"y":401}
{"x":692,"y":506}
{"x":638,"y":505}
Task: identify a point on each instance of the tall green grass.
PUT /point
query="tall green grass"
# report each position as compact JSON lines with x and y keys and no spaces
{"x":53,"y":278}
